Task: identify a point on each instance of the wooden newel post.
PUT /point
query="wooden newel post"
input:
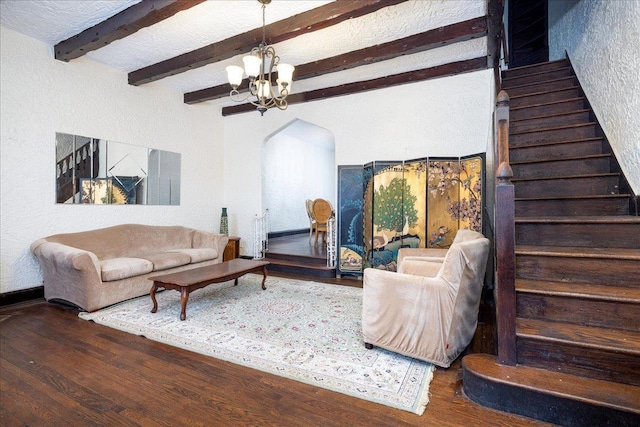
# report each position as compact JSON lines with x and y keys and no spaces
{"x":505,"y":239}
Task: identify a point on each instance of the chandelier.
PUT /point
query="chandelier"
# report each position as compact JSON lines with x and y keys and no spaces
{"x":259,"y":66}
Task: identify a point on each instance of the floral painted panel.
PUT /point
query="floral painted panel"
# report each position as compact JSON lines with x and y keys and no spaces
{"x":442,"y":203}
{"x":455,"y":199}
{"x":414,"y":229}
{"x":384,"y":200}
{"x":470,"y":205}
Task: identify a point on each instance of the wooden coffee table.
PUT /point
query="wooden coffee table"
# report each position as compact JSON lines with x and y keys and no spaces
{"x":188,"y":281}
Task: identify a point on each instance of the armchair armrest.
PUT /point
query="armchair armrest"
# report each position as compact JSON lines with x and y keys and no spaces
{"x":428,"y":254}
{"x":405,"y":313}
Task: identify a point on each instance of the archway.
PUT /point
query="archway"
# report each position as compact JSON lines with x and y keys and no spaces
{"x":298,"y":163}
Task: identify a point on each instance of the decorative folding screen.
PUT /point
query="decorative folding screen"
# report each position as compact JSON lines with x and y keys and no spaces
{"x":415,"y":203}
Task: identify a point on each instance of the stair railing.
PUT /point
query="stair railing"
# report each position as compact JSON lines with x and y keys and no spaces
{"x":261,"y":235}
{"x":331,"y":242}
{"x":505,"y":238}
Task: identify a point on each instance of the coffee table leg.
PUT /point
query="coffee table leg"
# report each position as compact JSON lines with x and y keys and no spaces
{"x":153,"y":297}
{"x":184,"y":297}
{"x":264,"y":278}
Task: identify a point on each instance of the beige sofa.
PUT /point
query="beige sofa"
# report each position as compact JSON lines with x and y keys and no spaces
{"x":97,"y":268}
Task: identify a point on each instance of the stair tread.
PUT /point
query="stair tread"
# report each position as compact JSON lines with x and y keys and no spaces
{"x":595,"y":196}
{"x":546,"y":116}
{"x":507,"y":78}
{"x":542,"y":104}
{"x":581,"y":290}
{"x":601,"y":219}
{"x":538,"y":65}
{"x":599,"y":392}
{"x":579,"y":252}
{"x":511,"y":98}
{"x":553,"y":128}
{"x":564,"y":141}
{"x":583,"y":176}
{"x":561,"y":159}
{"x":538,"y":83}
{"x":617,"y":340}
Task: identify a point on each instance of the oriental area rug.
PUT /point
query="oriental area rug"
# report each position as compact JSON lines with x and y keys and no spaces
{"x":305,"y":331}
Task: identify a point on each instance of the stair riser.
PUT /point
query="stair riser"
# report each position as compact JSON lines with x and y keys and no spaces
{"x":545,"y":86}
{"x":549,"y":66}
{"x":587,"y":312}
{"x":547,"y":122}
{"x":535,"y":78}
{"x":580,"y":270}
{"x":552,"y":135}
{"x":540,"y":405}
{"x":569,"y":207}
{"x":591,"y":363}
{"x":554,"y":151}
{"x":546,"y":109}
{"x":523,"y":101}
{"x":567,"y":187}
{"x":559,"y":168}
{"x":301,"y":270}
{"x":580,"y":235}
{"x":303,"y":260}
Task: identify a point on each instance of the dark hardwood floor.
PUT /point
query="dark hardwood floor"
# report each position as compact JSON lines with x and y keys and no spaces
{"x":59,"y":370}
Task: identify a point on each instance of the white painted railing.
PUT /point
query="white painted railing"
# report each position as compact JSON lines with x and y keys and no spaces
{"x":261,"y":235}
{"x":331,"y":242}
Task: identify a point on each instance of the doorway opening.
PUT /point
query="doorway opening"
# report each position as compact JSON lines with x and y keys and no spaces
{"x":298,"y":163}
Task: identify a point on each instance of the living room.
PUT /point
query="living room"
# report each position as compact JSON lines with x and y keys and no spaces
{"x":221,"y":155}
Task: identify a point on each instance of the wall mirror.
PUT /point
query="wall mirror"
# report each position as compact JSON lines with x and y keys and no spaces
{"x":97,"y":171}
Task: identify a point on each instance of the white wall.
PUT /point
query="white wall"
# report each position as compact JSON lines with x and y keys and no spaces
{"x":602,"y":38}
{"x":41,"y":96}
{"x":296,"y":168}
{"x":450,"y":116}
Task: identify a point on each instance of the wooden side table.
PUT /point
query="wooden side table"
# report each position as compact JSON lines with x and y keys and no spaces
{"x":232,"y":251}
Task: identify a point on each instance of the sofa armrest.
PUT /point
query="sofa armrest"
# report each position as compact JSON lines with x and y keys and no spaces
{"x":67,"y":257}
{"x":69,"y":274}
{"x":203,"y":239}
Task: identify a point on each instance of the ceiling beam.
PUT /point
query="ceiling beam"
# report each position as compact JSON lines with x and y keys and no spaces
{"x":438,"y":37}
{"x":444,"y":70}
{"x":302,"y":23}
{"x":120,"y":25}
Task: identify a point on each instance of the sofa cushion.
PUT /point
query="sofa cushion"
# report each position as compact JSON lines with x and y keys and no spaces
{"x":198,"y":254}
{"x":169,"y":259}
{"x":121,"y":268}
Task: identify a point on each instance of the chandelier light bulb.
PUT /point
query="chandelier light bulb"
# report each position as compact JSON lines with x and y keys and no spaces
{"x":252,"y":65}
{"x":285,"y":73}
{"x":234,"y":74}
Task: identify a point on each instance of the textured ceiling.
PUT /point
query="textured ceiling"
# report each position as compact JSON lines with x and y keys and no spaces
{"x":215,"y":20}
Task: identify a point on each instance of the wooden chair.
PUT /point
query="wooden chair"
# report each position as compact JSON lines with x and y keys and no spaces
{"x":312,"y":221}
{"x":322,"y":211}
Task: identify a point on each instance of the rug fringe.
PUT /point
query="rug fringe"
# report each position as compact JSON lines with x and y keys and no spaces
{"x":423,"y":399}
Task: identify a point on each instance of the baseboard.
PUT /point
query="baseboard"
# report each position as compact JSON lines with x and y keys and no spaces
{"x":23,"y":295}
{"x":275,"y":234}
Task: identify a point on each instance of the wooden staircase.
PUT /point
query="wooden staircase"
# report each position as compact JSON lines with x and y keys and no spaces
{"x":294,"y":255}
{"x":577,"y":264}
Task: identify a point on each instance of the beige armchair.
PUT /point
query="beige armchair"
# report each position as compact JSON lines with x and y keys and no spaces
{"x":429,"y":309}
